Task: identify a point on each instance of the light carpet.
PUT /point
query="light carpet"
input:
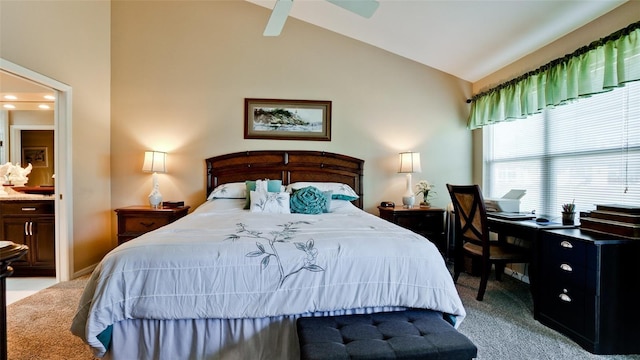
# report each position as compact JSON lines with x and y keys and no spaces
{"x":502,"y":326}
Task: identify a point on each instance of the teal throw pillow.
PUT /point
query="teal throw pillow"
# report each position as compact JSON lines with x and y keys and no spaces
{"x":310,"y":200}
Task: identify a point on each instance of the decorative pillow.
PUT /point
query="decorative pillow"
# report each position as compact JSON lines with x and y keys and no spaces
{"x":270,"y":202}
{"x":229,"y":191}
{"x":310,"y":200}
{"x":272,"y":186}
{"x":340,"y":191}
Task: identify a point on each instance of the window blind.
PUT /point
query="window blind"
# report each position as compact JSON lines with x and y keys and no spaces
{"x":586,"y":151}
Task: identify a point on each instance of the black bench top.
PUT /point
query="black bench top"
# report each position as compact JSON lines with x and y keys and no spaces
{"x":410,"y":334}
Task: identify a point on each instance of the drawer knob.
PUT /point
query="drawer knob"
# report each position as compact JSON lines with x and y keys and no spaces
{"x":565,"y":297}
{"x":147,"y":224}
{"x":566,"y":244}
{"x":29,"y":209}
{"x":566,"y":267}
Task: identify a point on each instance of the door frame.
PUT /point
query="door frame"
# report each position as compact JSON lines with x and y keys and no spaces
{"x":63,"y":197}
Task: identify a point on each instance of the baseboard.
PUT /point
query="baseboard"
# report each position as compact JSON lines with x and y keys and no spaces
{"x":85,"y":271}
{"x":522,"y":277}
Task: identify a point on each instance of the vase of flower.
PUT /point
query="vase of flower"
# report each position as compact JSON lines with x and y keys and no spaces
{"x":425,"y":199}
{"x":426,"y":189}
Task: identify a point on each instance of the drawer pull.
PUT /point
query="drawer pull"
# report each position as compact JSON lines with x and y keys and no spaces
{"x":29,"y":209}
{"x":566,"y":244}
{"x":565,"y":297}
{"x":566,"y":267}
{"x":147,"y":224}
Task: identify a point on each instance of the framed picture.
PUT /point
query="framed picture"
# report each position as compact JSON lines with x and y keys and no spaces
{"x":287,"y":119}
{"x":37,"y":156}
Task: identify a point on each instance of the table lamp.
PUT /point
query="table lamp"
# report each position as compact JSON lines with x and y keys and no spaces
{"x":155,"y":161}
{"x":409,"y":163}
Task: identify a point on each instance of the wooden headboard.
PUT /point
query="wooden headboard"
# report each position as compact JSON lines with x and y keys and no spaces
{"x":290,"y":166}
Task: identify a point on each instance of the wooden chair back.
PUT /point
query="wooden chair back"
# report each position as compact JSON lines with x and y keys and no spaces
{"x":471,"y":214}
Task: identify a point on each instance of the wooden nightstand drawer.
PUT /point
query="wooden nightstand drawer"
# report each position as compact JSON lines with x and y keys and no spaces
{"x":134,"y":221}
{"x":142,"y":224}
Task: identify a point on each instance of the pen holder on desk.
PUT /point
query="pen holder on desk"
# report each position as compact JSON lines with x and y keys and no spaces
{"x":567,"y":218}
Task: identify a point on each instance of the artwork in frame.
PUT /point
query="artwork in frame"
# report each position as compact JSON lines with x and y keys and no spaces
{"x":38,"y":157}
{"x":287,"y":119}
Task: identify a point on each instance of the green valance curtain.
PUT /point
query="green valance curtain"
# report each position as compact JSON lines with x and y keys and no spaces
{"x":603,"y":65}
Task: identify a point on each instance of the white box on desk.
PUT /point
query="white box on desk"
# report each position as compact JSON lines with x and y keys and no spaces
{"x":510,"y":202}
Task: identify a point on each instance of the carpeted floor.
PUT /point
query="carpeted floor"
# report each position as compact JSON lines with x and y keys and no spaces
{"x":502,"y":326}
{"x":38,"y":325}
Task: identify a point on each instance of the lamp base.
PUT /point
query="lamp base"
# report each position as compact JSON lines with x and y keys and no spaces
{"x":408,"y":201}
{"x":155,"y":200}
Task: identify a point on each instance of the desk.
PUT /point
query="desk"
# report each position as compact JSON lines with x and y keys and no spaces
{"x":529,"y":231}
{"x":588,"y":289}
{"x":583,"y":284}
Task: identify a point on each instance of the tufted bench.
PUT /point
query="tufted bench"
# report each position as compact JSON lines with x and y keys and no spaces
{"x":410,"y":334}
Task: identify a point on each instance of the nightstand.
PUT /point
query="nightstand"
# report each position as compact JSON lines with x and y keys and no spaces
{"x":134,"y":221}
{"x":426,"y":221}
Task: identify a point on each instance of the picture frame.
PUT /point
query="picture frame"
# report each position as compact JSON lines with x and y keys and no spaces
{"x":287,"y":119}
{"x":38,"y":156}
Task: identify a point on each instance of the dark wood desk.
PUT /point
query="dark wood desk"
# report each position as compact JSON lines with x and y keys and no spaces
{"x":582,"y":284}
{"x":589,"y":289}
{"x":530,"y":231}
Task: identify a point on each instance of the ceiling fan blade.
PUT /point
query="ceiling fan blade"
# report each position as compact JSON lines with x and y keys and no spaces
{"x":278,"y":17}
{"x":364,"y":8}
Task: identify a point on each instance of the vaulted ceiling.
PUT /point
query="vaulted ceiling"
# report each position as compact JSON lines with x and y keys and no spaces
{"x":468,"y":39}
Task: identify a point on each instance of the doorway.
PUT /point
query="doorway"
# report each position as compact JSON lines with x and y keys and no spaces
{"x":62,"y":164}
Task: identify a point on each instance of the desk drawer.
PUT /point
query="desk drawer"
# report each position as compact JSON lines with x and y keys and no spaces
{"x":565,"y":250}
{"x":571,"y":308}
{"x":565,"y":274}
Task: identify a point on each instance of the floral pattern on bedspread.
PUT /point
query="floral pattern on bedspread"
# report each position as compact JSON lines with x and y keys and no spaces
{"x":283,"y":236}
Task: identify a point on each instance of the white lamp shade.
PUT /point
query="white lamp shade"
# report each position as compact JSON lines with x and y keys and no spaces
{"x":155,"y":161}
{"x":410,"y":162}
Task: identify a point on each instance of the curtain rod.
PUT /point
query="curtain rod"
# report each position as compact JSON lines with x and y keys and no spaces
{"x":614,"y":36}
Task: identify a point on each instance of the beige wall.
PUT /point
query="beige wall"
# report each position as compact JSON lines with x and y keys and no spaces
{"x":69,"y":41}
{"x":30,"y":117}
{"x":181,"y":72}
{"x":615,"y":20}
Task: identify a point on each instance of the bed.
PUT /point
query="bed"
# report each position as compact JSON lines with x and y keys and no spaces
{"x":226,"y":282}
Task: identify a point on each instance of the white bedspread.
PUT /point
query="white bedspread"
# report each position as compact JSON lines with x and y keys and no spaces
{"x":228,"y":263}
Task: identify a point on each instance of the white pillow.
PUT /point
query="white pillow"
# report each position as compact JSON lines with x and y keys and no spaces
{"x":339,"y":191}
{"x":237,"y":190}
{"x":270,"y":202}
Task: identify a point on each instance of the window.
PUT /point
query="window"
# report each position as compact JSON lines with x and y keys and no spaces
{"x":587,"y":151}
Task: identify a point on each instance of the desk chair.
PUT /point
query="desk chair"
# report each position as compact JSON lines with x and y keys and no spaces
{"x":472,"y":237}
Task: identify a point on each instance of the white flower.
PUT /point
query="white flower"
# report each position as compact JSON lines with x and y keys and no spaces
{"x":426,"y":189}
{"x":423,"y":186}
